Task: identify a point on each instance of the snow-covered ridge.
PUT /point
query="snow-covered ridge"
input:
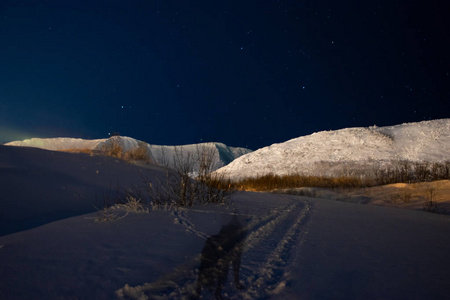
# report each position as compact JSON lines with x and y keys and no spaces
{"x":58,"y":144}
{"x":329,"y":152}
{"x":163,"y":155}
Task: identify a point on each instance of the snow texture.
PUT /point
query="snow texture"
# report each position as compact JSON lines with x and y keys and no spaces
{"x":295,"y":247}
{"x":331,"y":153}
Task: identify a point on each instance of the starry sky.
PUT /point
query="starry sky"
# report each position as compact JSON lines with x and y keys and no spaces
{"x":245,"y":73}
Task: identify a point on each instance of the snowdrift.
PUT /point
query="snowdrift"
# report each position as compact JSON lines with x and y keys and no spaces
{"x":347,"y":151}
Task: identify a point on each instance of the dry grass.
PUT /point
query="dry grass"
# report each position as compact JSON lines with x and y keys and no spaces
{"x":402,"y":172}
{"x":114,"y":149}
{"x":138,"y":154}
{"x":412,"y":196}
{"x":433,"y":196}
{"x":87,"y":151}
{"x":415,"y":196}
{"x":273,"y":182}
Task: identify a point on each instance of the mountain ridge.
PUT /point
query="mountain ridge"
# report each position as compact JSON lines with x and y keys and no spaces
{"x":160,"y":154}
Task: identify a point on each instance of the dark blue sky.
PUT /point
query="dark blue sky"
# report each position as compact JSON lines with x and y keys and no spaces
{"x":246,"y":73}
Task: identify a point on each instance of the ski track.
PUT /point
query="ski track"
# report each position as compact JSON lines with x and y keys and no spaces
{"x":264,"y":265}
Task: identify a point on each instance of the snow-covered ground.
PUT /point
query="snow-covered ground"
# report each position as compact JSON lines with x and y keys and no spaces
{"x":335,"y":153}
{"x":162,"y":155}
{"x":295,"y":247}
{"x":39,"y":186}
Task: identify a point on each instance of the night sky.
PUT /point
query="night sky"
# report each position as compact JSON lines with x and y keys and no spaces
{"x":245,"y":73}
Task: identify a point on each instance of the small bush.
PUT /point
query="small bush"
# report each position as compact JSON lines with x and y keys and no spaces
{"x":138,"y":154}
{"x":118,"y":205}
{"x":429,"y":193}
{"x":109,"y":214}
{"x":181,"y":188}
{"x":112,"y":148}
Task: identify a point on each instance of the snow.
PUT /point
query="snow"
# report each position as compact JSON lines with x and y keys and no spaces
{"x":295,"y":247}
{"x":369,"y":252}
{"x":58,"y":144}
{"x":162,"y":155}
{"x":221,"y":153}
{"x":332,"y":152}
{"x":40,"y":186}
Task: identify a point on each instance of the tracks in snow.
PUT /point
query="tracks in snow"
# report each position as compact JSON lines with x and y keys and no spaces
{"x":268,"y":252}
{"x":270,"y":247}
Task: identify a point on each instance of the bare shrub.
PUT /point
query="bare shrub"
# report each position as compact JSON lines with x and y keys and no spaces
{"x":140,"y":153}
{"x":422,"y":171}
{"x":430,"y":193}
{"x":112,"y":148}
{"x":118,"y":204}
{"x":108,"y":214}
{"x":184,"y":187}
{"x":120,"y":211}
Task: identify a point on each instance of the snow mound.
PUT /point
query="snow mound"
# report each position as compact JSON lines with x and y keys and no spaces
{"x":330,"y":152}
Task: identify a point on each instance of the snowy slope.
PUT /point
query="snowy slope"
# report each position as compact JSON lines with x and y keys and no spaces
{"x":162,"y":155}
{"x":295,"y":247}
{"x":40,"y":186}
{"x":331,"y":152}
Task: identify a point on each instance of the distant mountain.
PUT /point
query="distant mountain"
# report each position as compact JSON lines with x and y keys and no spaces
{"x":349,"y":151}
{"x":221,"y":154}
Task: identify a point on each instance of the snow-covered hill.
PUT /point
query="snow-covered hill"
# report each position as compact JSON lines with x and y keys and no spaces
{"x":53,"y":246}
{"x":340,"y":152}
{"x":163,"y":155}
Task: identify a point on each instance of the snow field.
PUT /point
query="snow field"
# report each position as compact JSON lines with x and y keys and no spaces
{"x":296,"y":248}
{"x":268,"y":250}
